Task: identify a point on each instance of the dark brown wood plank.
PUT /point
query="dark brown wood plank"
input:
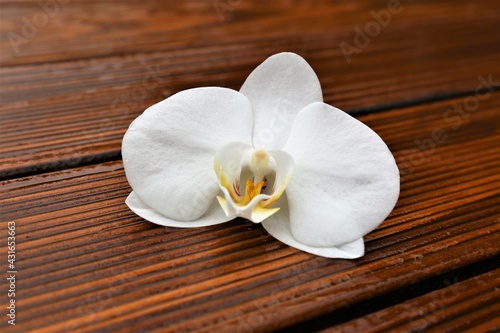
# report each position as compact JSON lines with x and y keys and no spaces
{"x":69,"y":97}
{"x":89,"y":264}
{"x":469,"y":305}
{"x":34,"y":33}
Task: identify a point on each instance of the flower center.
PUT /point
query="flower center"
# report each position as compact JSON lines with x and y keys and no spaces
{"x":260,"y":175}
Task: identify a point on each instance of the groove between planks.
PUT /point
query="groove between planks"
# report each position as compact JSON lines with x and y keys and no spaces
{"x":459,"y":304}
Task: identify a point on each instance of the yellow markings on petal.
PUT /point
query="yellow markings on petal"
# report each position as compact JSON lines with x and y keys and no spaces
{"x":276,"y":193}
{"x":230,"y":188}
{"x":224,"y":181}
{"x":223,"y":204}
{"x":259,"y":214}
{"x":252,"y":190}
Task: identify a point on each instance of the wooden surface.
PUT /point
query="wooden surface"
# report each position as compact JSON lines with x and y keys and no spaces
{"x":428,"y":83}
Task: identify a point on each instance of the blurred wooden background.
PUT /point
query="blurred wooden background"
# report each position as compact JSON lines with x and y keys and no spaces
{"x":424,"y":75}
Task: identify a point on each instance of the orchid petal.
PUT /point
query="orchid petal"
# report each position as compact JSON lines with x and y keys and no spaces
{"x":278,"y":226}
{"x":278,"y":89}
{"x":168,"y":151}
{"x":213,"y":215}
{"x":346,"y":181}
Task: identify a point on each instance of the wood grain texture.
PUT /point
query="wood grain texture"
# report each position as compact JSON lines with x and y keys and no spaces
{"x":427,"y":83}
{"x":103,"y":269}
{"x":71,"y":91}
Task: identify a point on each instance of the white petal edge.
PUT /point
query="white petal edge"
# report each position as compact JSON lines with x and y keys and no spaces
{"x":278,"y":226}
{"x":346,"y":181}
{"x":214,"y":214}
{"x":278,"y":89}
{"x":168,"y":151}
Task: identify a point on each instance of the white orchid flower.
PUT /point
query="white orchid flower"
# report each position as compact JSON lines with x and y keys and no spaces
{"x":317,"y":179}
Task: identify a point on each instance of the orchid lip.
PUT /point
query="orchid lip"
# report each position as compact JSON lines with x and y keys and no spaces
{"x":251,"y":180}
